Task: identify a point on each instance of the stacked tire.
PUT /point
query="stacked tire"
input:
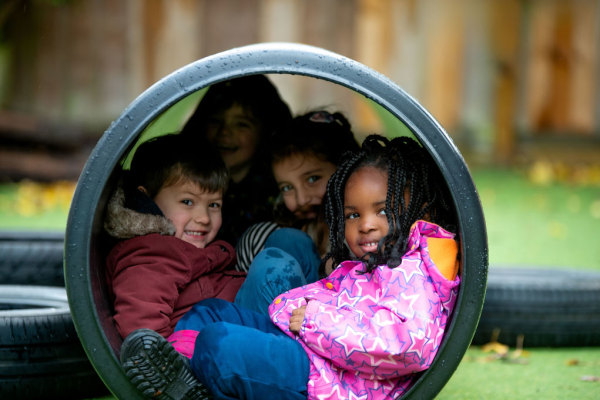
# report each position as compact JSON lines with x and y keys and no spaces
{"x":32,"y":258}
{"x":40,"y":354}
{"x":543,"y":307}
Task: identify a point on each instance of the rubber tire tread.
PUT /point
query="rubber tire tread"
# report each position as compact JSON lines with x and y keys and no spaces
{"x":549,"y":307}
{"x":40,"y":354}
{"x":32,"y":258}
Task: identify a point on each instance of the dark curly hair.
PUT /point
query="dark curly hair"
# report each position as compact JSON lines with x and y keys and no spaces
{"x":324,"y":135}
{"x":321,"y":133}
{"x":410,"y":170}
{"x":254,"y":93}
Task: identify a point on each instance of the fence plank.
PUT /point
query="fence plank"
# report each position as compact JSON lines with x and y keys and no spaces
{"x":373,"y":28}
{"x":444,"y":61}
{"x":505,"y":26}
{"x":586,"y":67}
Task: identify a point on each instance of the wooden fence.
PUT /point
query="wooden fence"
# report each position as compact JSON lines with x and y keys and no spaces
{"x":504,"y":77}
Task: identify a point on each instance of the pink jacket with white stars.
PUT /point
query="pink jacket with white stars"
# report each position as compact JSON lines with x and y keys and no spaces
{"x":366,"y":335}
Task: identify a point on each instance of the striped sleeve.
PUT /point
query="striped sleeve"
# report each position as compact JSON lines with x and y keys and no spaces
{"x":252,"y":242}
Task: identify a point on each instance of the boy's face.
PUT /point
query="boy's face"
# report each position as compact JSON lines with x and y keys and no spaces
{"x":302,"y":181}
{"x":236,"y":133}
{"x":364,"y":210}
{"x":195,"y":212}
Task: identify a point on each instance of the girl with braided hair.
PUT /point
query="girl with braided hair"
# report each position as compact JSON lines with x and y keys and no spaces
{"x":369,"y":328}
{"x":415,"y":191}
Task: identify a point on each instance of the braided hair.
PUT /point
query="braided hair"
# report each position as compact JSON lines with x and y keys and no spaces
{"x":416,"y":190}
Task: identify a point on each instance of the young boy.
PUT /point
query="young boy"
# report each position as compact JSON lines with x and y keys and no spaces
{"x":167,"y":212}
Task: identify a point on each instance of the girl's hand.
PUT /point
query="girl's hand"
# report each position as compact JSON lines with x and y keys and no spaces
{"x":296,"y":319}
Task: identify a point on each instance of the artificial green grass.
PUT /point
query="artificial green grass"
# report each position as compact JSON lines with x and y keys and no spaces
{"x":51,"y":220}
{"x":555,"y":373}
{"x":553,"y":225}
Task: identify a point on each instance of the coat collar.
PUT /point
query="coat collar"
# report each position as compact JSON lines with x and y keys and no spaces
{"x":125,"y":223}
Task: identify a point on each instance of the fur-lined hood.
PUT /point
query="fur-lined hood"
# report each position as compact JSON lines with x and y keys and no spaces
{"x":125,"y":223}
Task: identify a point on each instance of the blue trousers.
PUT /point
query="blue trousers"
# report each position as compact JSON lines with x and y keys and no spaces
{"x":241,"y":354}
{"x":289,"y":260}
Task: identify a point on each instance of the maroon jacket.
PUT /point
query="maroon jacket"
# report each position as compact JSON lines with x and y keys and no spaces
{"x":155,"y":278}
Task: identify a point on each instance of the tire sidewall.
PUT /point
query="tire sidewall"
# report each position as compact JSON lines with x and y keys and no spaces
{"x":543,"y":307}
{"x":40,"y":354}
{"x":32,"y":258}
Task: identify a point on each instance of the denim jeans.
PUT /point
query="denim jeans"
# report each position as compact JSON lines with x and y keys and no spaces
{"x":289,"y":260}
{"x":241,"y":354}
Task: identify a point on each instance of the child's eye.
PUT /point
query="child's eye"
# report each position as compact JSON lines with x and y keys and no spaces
{"x":285,"y":188}
{"x":243,"y":125}
{"x":313,"y":178}
{"x":187,"y":202}
{"x":352,"y":215}
{"x":214,"y":205}
{"x":382,"y":212}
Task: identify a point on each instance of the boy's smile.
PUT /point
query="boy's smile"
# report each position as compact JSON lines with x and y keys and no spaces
{"x":195,"y":212}
{"x":364,"y":210}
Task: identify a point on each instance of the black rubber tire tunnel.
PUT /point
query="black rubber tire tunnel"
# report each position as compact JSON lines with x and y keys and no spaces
{"x":84,"y":242}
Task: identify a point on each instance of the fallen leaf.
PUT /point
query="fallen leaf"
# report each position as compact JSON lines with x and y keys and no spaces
{"x":495,"y":347}
{"x":590,"y":378}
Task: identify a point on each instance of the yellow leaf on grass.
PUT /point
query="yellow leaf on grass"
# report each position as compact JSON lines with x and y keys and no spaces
{"x":495,"y":347}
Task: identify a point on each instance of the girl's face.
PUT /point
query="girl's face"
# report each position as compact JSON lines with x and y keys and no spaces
{"x":195,"y":212}
{"x":302,"y":180}
{"x":364,"y":210}
{"x":236,"y":133}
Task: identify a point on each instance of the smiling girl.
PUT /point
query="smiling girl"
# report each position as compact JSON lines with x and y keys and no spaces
{"x":304,"y":155}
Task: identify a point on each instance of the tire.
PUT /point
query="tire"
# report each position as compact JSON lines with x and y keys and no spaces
{"x":86,"y":247}
{"x":32,"y":258}
{"x":40,"y":354}
{"x":549,"y":307}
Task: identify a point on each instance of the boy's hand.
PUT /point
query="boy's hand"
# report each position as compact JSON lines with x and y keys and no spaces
{"x":296,"y":319}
